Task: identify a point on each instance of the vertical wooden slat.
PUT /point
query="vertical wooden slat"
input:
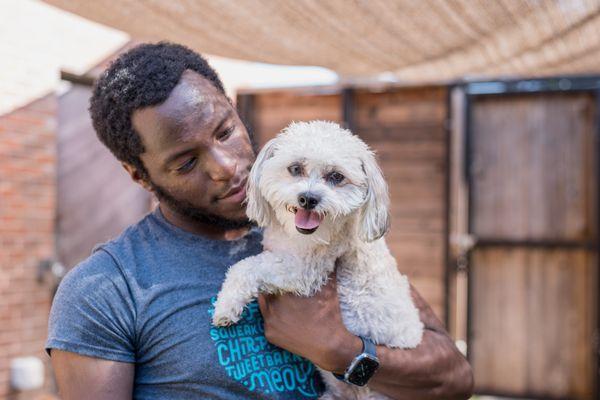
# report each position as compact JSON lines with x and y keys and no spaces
{"x":594,"y":164}
{"x":348,"y":108}
{"x":246,"y":111}
{"x":458,"y":208}
{"x":407,"y":129}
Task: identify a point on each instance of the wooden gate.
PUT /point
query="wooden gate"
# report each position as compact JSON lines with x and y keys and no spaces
{"x":530,"y":239}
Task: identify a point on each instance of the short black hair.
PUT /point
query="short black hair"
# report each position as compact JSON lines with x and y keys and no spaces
{"x":143,"y":76}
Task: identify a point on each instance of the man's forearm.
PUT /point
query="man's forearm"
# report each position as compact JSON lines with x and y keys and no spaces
{"x":434,"y":370}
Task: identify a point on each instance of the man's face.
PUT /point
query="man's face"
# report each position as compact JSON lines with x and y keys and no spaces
{"x":197,"y":152}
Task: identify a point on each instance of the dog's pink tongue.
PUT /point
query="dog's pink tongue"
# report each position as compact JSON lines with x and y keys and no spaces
{"x":307,"y":219}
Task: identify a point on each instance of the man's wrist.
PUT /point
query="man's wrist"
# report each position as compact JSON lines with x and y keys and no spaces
{"x":341,"y":353}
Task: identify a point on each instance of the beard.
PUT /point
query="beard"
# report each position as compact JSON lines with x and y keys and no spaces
{"x":187,"y":209}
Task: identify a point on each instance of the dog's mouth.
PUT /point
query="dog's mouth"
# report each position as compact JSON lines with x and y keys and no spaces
{"x":306,"y":221}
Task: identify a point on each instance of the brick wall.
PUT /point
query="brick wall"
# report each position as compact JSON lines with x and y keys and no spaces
{"x":27,"y":210}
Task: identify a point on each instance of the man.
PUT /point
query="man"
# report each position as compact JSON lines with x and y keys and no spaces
{"x":133,"y":320}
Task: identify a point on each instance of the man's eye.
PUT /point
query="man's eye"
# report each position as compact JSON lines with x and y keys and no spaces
{"x":295,"y":169}
{"x":189,"y":164}
{"x":335,"y":177}
{"x":226,"y":133}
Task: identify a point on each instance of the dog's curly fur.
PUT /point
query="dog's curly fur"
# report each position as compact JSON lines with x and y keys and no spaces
{"x":353,"y":213}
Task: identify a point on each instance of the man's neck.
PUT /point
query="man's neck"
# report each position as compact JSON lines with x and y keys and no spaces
{"x":202,"y":229}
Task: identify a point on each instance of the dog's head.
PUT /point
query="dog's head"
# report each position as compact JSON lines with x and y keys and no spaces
{"x":314,"y":174}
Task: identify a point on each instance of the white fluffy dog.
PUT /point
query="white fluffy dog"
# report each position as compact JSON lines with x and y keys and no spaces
{"x":321,"y":197}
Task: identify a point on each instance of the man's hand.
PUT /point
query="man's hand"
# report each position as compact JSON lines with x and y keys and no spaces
{"x":312,"y":327}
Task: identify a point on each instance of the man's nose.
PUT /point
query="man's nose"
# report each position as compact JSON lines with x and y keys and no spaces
{"x":221,"y":166}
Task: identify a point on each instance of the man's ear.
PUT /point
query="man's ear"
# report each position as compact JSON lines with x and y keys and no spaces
{"x":137,"y":176}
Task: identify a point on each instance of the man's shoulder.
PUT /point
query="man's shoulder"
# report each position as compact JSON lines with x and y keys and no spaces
{"x":130,"y":233}
{"x":103,"y":259}
{"x":139,"y":234}
{"x":100,"y":265}
{"x":103,"y":273}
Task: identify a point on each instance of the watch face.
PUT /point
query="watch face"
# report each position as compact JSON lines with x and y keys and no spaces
{"x":363,"y":371}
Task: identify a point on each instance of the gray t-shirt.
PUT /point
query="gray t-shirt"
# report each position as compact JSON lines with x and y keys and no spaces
{"x":146,"y":298}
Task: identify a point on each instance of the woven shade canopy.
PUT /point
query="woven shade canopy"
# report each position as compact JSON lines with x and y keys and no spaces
{"x":414,"y":40}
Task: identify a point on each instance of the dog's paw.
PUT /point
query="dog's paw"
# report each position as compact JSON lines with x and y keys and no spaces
{"x":222,"y":320}
{"x":226,"y":315}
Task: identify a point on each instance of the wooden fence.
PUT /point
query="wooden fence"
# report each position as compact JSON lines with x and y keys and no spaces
{"x":494,"y":189}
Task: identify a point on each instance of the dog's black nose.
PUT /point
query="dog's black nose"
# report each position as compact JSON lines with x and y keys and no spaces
{"x":308,"y":200}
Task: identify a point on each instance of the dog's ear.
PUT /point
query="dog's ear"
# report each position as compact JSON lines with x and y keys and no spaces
{"x":258,"y":208}
{"x":374,"y":218}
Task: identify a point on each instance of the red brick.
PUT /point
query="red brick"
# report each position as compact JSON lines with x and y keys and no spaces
{"x":27,"y":207}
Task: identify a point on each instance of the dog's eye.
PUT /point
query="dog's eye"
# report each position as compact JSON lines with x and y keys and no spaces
{"x":295,"y":169}
{"x":335,"y":177}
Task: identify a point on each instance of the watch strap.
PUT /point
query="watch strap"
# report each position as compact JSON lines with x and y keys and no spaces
{"x":369,"y":347}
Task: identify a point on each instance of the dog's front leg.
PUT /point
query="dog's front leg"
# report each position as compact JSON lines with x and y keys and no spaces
{"x":242,"y":284}
{"x":268,"y":273}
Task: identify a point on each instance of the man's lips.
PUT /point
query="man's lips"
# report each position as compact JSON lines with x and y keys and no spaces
{"x":236,"y":194}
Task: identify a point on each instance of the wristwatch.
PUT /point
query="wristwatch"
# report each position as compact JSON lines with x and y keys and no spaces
{"x":364,"y":365}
